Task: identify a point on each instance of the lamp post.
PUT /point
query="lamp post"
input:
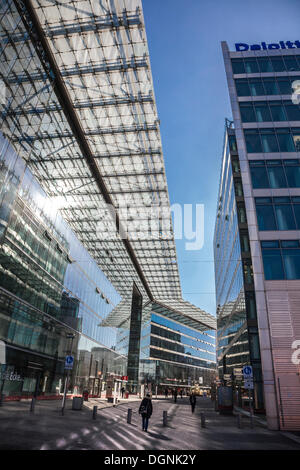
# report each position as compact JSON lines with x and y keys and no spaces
{"x":69,"y":336}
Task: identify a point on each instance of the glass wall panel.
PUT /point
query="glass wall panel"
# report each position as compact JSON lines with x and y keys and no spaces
{"x":266,"y":217}
{"x":273,"y":266}
{"x":285,"y":217}
{"x":276,"y":177}
{"x":291,"y":259}
{"x":269,"y":142}
{"x":259,"y":177}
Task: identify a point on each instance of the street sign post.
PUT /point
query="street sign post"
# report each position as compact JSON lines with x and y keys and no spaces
{"x":69,"y":362}
{"x":247,"y":372}
{"x":248,"y":384}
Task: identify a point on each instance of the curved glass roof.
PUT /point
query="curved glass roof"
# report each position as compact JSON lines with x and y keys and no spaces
{"x":81,"y":111}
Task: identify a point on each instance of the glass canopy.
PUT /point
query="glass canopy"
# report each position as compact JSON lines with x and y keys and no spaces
{"x":80,"y":109}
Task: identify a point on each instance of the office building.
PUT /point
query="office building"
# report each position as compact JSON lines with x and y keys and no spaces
{"x":82,"y":170}
{"x":259,"y":227}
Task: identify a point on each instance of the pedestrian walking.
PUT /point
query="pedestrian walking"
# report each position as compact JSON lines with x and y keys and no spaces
{"x":193,"y":401}
{"x":181,"y":393}
{"x":145,"y":410}
{"x":166,"y":392}
{"x":175,"y":395}
{"x":122,"y":391}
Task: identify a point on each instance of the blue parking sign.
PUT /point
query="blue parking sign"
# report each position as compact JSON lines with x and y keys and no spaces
{"x":247,"y":371}
{"x":69,"y":362}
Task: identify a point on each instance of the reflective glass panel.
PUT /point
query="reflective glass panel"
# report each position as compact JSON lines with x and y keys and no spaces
{"x":273,"y":266}
{"x":285,"y":217}
{"x":291,"y":259}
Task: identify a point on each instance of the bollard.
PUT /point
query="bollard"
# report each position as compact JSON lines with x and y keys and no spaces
{"x":94,"y":412}
{"x":239,"y":420}
{"x":165,"y":418}
{"x":129,"y":415}
{"x":32,"y":405}
{"x":202,"y":416}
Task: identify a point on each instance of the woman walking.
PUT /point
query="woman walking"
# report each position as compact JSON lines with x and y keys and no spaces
{"x":145,"y":410}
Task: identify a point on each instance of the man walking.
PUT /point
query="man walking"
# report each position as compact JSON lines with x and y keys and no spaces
{"x":193,"y":401}
{"x":175,"y":395}
{"x":145,"y":410}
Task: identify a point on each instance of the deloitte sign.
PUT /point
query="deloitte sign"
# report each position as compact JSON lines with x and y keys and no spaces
{"x":263,"y":46}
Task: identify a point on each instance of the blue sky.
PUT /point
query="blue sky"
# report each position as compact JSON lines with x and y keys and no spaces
{"x":192,"y":100}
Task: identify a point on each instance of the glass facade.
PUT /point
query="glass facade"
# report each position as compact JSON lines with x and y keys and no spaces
{"x":264,"y":111}
{"x":278,"y":213}
{"x":283,"y":139}
{"x":262,"y":86}
{"x":79,"y":142}
{"x":285,"y":63}
{"x":176,"y":355}
{"x":50,"y":289}
{"x":281,"y":259}
{"x":266,"y":118}
{"x":275,"y":173}
{"x":237,"y":331}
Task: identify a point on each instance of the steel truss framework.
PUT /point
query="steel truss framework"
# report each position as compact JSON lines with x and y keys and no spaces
{"x":80,"y":109}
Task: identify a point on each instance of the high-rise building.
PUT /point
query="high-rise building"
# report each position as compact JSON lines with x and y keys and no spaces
{"x":257,"y":235}
{"x":82,"y":173}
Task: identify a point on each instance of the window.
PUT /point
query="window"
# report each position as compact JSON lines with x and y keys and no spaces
{"x":253,"y":142}
{"x":293,"y":112}
{"x":277,"y":111}
{"x":232,"y":143}
{"x":272,"y":140}
{"x":278,"y":213}
{"x":290,"y":63}
{"x":291,"y":259}
{"x":278,"y":64}
{"x":292,"y":170}
{"x":271,"y":86}
{"x":269,"y":141}
{"x":284,"y":85}
{"x":296,"y":139}
{"x":256,"y":87}
{"x":251,"y":66}
{"x":285,"y":216}
{"x":262,"y":112}
{"x":259,"y":177}
{"x":273,"y":265}
{"x":247,"y":113}
{"x":264,"y":86}
{"x":238,"y":66}
{"x":264,"y":64}
{"x":285,"y":141}
{"x":276,"y":174}
{"x":265,"y":216}
{"x":242,"y":88}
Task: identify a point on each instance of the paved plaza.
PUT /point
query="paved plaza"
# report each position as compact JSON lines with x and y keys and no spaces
{"x":47,"y":429}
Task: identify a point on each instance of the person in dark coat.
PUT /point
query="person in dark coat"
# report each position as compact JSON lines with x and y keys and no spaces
{"x":193,"y":401}
{"x":145,"y":410}
{"x":166,"y":392}
{"x":175,"y":395}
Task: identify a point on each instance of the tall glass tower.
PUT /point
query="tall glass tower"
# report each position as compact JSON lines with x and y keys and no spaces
{"x":265,"y":171}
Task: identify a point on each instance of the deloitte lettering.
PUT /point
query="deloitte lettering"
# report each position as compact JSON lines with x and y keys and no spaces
{"x":240,"y":46}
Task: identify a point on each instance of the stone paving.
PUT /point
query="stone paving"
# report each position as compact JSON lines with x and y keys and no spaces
{"x":47,"y":429}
